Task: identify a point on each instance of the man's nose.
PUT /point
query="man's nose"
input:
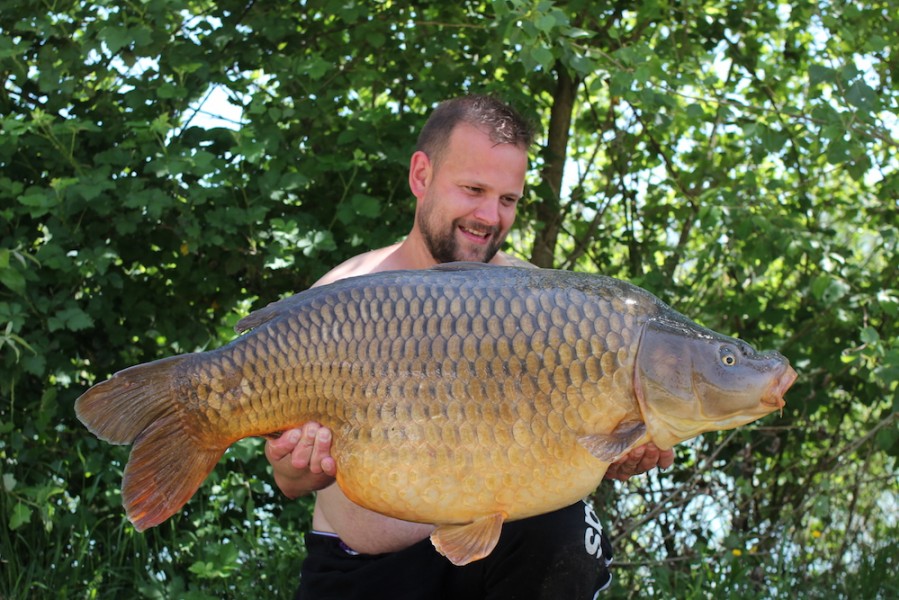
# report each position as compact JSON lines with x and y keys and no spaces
{"x":488,"y":211}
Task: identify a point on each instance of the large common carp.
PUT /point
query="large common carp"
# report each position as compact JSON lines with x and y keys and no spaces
{"x":463,"y":396}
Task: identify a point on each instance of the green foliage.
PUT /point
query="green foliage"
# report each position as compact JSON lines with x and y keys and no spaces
{"x":739,"y":160}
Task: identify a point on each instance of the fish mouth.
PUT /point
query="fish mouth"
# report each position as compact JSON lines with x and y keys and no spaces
{"x":775,"y":395}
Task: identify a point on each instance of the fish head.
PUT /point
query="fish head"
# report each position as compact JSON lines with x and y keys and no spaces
{"x":689,"y":380}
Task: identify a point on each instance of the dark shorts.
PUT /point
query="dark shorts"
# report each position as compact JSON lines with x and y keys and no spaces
{"x":563,"y":554}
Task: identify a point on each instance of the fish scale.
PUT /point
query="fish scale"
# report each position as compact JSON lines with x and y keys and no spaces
{"x":462,"y":396}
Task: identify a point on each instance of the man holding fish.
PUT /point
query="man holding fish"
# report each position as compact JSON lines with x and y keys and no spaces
{"x":473,"y":404}
{"x":467,"y":175}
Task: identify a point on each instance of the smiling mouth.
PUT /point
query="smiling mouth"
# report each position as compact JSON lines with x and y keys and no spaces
{"x":483,"y":234}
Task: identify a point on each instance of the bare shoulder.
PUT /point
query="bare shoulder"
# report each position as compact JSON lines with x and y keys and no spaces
{"x":361,"y":264}
{"x":507,"y":260}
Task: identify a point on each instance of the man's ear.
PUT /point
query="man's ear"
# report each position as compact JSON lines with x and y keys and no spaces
{"x":420,"y":171}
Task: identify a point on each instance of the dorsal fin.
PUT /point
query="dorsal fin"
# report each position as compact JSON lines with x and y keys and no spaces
{"x":265,"y":314}
{"x":464,"y":266}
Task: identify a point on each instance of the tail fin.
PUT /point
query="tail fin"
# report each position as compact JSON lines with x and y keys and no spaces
{"x":140,"y":405}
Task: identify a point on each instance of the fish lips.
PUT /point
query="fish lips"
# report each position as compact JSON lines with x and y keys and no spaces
{"x":774,"y":397}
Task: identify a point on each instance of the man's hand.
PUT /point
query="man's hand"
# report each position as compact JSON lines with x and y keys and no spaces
{"x":301,"y":459}
{"x":639,"y":460}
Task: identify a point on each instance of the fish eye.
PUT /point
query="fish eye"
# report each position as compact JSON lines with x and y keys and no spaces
{"x":728,"y":358}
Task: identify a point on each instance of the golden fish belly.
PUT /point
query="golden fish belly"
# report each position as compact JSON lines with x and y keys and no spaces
{"x":441,"y":484}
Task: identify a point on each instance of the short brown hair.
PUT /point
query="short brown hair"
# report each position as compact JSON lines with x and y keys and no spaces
{"x":496,"y":118}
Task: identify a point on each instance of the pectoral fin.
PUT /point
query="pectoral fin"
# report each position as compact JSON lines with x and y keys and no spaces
{"x":608,"y":447}
{"x":463,"y":544}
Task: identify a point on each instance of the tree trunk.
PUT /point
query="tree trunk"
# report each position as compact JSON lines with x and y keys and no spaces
{"x":549,"y":209}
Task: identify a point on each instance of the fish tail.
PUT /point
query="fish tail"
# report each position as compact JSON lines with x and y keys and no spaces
{"x":167,"y":463}
{"x":164,"y":471}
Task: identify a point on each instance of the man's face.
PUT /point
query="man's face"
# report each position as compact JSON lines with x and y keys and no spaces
{"x":469,"y":205}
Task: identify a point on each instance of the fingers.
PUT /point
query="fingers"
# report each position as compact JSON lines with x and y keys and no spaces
{"x":279,"y":447}
{"x":301,"y":459}
{"x":329,"y":466}
{"x":648,"y":460}
{"x":639,"y":460}
{"x":308,"y":447}
{"x":313,"y":448}
{"x":626,"y":466}
{"x":666,"y":458}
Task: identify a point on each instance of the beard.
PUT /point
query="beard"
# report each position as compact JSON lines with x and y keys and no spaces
{"x":445,"y":247}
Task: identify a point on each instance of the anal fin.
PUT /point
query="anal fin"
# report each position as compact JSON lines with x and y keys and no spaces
{"x":463,"y":544}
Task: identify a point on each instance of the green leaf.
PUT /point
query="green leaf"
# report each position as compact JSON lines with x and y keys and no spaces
{"x":203,"y":569}
{"x":773,"y":140}
{"x":8,"y":49}
{"x":39,"y":201}
{"x":869,"y":335}
{"x":542,"y":56}
{"x":91,"y":188}
{"x":888,"y":370}
{"x":13,"y":279}
{"x":546,"y":23}
{"x":59,"y":184}
{"x":376,"y":39}
{"x":861,"y":95}
{"x":888,"y":437}
{"x":366,"y":206}
{"x":316,"y":241}
{"x":315,"y":67}
{"x":695,"y":112}
{"x":21,"y":515}
{"x":36,"y":364}
{"x":115,"y":38}
{"x":620,"y":83}
{"x":79,"y":320}
{"x":223,"y":566}
{"x":47,"y":410}
{"x":73,"y":319}
{"x":292,"y":181}
{"x":829,"y":289}
{"x":838,"y":151}
{"x":170,"y":91}
{"x":819,"y":74}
